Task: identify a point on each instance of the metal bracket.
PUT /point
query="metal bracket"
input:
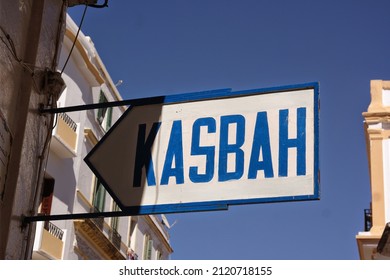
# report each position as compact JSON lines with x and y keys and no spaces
{"x":89,"y":3}
{"x":129,"y":102}
{"x":76,"y":216}
{"x":128,"y":212}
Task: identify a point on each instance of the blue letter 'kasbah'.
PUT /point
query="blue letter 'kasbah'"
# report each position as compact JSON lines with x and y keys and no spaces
{"x":174,"y":158}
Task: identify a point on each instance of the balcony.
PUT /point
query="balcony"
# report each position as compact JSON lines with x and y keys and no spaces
{"x":112,"y":234}
{"x":101,"y":236}
{"x":48,"y":244}
{"x":64,"y":141}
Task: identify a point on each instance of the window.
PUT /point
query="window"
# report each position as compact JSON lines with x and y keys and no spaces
{"x":47,"y":195}
{"x":99,"y":196}
{"x":115,"y":237}
{"x":115,"y":220}
{"x":159,"y":255}
{"x":133,"y":225}
{"x":148,"y":245}
{"x":104,"y":115}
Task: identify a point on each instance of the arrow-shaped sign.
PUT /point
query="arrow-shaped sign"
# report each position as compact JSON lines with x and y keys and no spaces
{"x":207,"y":150}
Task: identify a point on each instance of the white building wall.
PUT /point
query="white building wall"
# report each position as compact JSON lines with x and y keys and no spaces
{"x":74,"y":181}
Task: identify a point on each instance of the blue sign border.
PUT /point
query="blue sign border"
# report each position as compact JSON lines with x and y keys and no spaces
{"x":214,"y":205}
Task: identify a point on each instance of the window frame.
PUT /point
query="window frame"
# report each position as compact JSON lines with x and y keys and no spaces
{"x":148,"y":247}
{"x":104,"y":115}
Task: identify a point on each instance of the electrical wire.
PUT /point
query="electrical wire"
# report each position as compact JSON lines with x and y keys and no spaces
{"x":59,"y":39}
{"x":78,"y":31}
{"x":75,"y":39}
{"x":10,"y":46}
{"x":9,"y":43}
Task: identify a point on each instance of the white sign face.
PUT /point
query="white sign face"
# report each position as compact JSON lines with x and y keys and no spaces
{"x":207,"y":150}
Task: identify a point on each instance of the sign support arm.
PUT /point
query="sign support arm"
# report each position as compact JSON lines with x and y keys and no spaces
{"x":129,"y":212}
{"x":129,"y":102}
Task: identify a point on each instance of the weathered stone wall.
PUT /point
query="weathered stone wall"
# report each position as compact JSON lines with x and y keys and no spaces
{"x":31,"y":35}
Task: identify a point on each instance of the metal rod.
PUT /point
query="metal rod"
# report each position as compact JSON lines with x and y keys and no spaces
{"x":129,"y":102}
{"x":140,"y":101}
{"x":132,"y":212}
{"x":74,"y":216}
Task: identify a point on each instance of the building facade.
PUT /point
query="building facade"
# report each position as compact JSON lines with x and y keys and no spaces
{"x":373,"y":242}
{"x":71,"y":187}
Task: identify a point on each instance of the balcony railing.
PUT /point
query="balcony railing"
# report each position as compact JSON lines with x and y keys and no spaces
{"x":65,"y":136}
{"x":115,"y":238}
{"x":367,"y":219}
{"x":99,"y":221}
{"x":113,"y":235}
{"x":54,"y":230}
{"x":68,"y":120}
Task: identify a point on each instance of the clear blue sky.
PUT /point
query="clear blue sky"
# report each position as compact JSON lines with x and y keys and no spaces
{"x":167,"y":47}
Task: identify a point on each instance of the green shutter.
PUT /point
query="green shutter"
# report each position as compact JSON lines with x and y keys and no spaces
{"x":109,"y":118}
{"x":102,"y":111}
{"x":115,"y":220}
{"x":100,"y":196}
